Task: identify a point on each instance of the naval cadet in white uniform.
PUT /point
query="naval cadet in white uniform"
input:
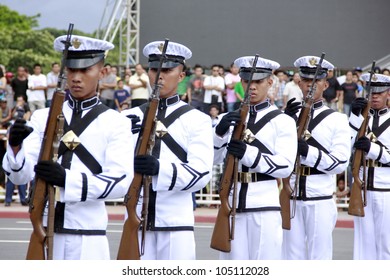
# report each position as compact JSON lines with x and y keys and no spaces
{"x":181,"y":161}
{"x":267,"y":152}
{"x":96,"y":165}
{"x":325,"y":154}
{"x":372,"y":232}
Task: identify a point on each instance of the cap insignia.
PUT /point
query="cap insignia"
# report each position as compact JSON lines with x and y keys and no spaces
{"x":161,"y":47}
{"x":313,"y":61}
{"x":374,"y":78}
{"x":76,"y":43}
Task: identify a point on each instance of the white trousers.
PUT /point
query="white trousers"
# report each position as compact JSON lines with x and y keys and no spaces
{"x":169,"y":245}
{"x":372,"y":232}
{"x":310,"y":237}
{"x":257,"y":236}
{"x":80,"y":247}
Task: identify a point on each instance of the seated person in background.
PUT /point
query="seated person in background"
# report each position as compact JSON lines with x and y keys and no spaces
{"x":21,"y":109}
{"x":342,"y":190}
{"x":121,"y":95}
{"x":125,"y":105}
{"x":5,"y":113}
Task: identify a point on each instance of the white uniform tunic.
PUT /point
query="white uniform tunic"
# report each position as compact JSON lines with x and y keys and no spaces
{"x":81,"y":217}
{"x":185,"y":167}
{"x":310,"y":236}
{"x":372,"y":232}
{"x":258,"y":231}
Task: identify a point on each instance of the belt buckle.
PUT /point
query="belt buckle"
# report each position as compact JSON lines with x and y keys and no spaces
{"x":374,"y":163}
{"x":245,"y":177}
{"x":305,"y":170}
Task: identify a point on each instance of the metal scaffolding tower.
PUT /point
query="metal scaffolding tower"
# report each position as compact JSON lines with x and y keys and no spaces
{"x":124,"y":22}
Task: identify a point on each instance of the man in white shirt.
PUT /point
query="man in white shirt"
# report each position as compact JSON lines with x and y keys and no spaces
{"x":292,"y":90}
{"x":214,"y":85}
{"x":139,"y":84}
{"x":52,"y":80}
{"x":37,"y":85}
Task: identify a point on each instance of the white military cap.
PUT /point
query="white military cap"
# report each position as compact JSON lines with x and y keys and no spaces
{"x":84,"y":51}
{"x":308,"y":64}
{"x":175,"y":54}
{"x":263,"y":69}
{"x":379,"y":82}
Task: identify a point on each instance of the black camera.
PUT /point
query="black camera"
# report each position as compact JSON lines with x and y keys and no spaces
{"x":19,"y":112}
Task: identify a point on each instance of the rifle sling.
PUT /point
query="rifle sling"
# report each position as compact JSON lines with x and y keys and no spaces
{"x":314,"y":122}
{"x":381,"y":128}
{"x":168,"y":139}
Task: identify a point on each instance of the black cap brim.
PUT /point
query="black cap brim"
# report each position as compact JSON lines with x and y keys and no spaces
{"x":166,"y":64}
{"x":83,"y":59}
{"x":245,"y":74}
{"x":379,"y":89}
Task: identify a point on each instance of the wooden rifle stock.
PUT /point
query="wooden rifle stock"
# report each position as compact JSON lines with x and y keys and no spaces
{"x":39,"y":196}
{"x":302,"y":125}
{"x":221,"y":237}
{"x":129,"y":248}
{"x":356,"y":204}
{"x":287,"y":190}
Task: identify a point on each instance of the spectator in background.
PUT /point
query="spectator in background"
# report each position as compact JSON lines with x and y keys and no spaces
{"x":107,"y":87}
{"x":349,"y":92}
{"x":126,"y":83}
{"x":214,"y":112}
{"x":182,"y":86}
{"x":386,"y":71}
{"x":274,"y":89}
{"x":52,"y":81}
{"x":342,"y":190}
{"x":3,"y":82}
{"x":121,"y":96}
{"x":355,"y":79}
{"x":195,"y":89}
{"x":114,"y":71}
{"x":332,"y":93}
{"x":278,"y":97}
{"x":21,"y":109}
{"x":139,"y":87}
{"x":6,"y":115}
{"x":37,"y":85}
{"x":240,"y":94}
{"x":359,"y":71}
{"x":231,"y":79}
{"x":214,"y":86}
{"x":19,"y":84}
{"x":9,"y":95}
{"x":292,"y":90}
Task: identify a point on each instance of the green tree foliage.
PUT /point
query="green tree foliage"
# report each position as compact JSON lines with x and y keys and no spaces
{"x":22,"y":44}
{"x":12,"y":19}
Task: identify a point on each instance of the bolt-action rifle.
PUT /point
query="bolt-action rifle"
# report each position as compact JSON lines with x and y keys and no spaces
{"x":41,"y":240}
{"x":302,"y":125}
{"x":357,"y":200}
{"x":223,"y":231}
{"x":129,"y":248}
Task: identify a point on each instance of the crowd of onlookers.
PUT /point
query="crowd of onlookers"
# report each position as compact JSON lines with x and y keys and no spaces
{"x":219,"y":91}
